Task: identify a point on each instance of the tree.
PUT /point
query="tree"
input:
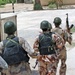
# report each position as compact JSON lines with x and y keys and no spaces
{"x":37,"y":5}
{"x":59,"y":3}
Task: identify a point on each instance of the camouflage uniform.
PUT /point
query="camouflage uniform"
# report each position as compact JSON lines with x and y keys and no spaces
{"x":62,"y":53}
{"x":47,"y":63}
{"x":23,"y":68}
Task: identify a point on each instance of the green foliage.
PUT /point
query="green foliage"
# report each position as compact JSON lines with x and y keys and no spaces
{"x":1,"y":6}
{"x":3,"y":2}
{"x":10,"y":1}
{"x":52,"y":4}
{"x":37,"y":6}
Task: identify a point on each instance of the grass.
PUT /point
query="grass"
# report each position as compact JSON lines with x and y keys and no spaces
{"x":1,"y":6}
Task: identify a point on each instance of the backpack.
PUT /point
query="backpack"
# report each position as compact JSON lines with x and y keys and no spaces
{"x":13,"y":52}
{"x":46,"y":44}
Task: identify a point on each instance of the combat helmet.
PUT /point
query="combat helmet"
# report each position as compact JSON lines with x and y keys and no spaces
{"x":57,"y":20}
{"x":44,"y":24}
{"x":50,"y":26}
{"x":9,"y":27}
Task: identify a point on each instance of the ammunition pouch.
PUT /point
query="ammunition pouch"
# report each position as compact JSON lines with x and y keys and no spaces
{"x":47,"y":50}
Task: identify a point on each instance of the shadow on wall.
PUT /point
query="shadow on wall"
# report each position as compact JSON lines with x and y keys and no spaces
{"x":24,"y":1}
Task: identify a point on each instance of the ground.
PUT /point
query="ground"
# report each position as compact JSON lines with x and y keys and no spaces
{"x":28,"y":7}
{"x":28,"y":24}
{"x":17,"y":7}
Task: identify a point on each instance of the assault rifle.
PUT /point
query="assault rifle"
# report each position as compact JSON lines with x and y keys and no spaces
{"x":35,"y":64}
{"x":69,"y":28}
{"x":67,"y":25}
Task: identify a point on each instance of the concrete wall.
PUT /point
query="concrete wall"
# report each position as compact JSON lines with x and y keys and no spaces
{"x":5,"y":18}
{"x":68,"y":1}
{"x":45,"y":2}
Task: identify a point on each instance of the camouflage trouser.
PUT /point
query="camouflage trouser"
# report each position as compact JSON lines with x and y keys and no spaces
{"x":19,"y":69}
{"x":2,"y":73}
{"x":62,"y":57}
{"x":47,"y":65}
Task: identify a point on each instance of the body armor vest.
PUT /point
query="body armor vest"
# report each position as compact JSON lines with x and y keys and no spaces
{"x":13,"y":52}
{"x":46,"y":45}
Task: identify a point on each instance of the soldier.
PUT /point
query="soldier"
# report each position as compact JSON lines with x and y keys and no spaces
{"x":50,"y":27}
{"x":46,"y":44}
{"x":62,"y":53}
{"x":15,"y":51}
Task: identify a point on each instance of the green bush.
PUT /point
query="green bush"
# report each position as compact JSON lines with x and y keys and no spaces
{"x":3,"y":2}
{"x":1,"y":6}
{"x":10,"y":1}
{"x":52,"y":4}
{"x":37,"y":6}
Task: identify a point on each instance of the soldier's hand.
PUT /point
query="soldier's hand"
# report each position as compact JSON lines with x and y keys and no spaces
{"x":60,"y":46}
{"x":34,"y":55}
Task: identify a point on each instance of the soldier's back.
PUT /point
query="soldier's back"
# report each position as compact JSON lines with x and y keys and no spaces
{"x":58,"y":30}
